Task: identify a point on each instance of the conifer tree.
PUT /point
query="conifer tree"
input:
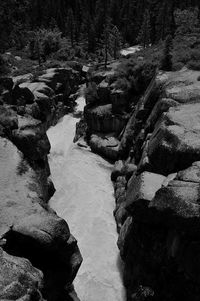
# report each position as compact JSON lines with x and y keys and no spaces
{"x":116,"y":41}
{"x":166,"y":63}
{"x":106,"y":39}
{"x":70,"y":26}
{"x":145,"y":31}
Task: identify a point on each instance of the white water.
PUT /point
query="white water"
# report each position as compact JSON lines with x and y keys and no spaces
{"x":84,"y":198}
{"x":130,"y":50}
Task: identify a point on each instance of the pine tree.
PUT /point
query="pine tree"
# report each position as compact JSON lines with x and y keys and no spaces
{"x":70,"y":26}
{"x":166,"y":63}
{"x":145,"y":31}
{"x":106,"y":39}
{"x":116,"y":41}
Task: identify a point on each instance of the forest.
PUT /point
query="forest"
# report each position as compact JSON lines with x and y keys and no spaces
{"x":93,"y":29}
{"x":80,"y":19}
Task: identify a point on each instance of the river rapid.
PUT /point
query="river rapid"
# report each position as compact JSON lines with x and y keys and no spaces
{"x":84,"y":198}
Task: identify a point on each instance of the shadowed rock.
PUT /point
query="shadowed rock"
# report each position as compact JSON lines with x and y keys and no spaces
{"x":19,"y":280}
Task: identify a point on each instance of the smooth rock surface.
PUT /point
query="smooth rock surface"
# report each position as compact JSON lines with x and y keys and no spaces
{"x":141,"y":189}
{"x":175,"y":142}
{"x":106,"y":146}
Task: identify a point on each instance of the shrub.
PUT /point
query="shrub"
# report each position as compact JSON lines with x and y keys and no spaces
{"x":137,"y":73}
{"x":3,"y":66}
{"x":44,"y":42}
{"x":166,"y":62}
{"x":68,"y":53}
{"x":177,"y":66}
{"x":194,"y":65}
{"x":122,"y":84}
{"x":91,"y":93}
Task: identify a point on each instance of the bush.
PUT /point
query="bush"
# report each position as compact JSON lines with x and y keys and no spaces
{"x":137,"y":73}
{"x":122,"y":84}
{"x":177,"y":66}
{"x":3,"y":66}
{"x":166,"y":62}
{"x":186,"y":49}
{"x":44,"y":42}
{"x":194,"y":65}
{"x":68,"y":53}
{"x":91,"y":93}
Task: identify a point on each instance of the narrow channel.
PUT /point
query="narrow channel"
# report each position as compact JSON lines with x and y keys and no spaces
{"x":84,"y":198}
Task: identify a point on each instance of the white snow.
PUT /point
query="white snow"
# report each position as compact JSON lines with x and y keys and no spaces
{"x":84,"y":198}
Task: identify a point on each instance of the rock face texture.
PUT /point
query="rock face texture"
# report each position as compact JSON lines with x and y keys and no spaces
{"x":39,"y":257}
{"x":105,"y":114}
{"x":19,"y":279}
{"x":156,"y":181}
{"x":157,"y":209}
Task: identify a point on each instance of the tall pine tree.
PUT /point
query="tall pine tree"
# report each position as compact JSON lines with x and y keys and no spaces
{"x":145,"y":31}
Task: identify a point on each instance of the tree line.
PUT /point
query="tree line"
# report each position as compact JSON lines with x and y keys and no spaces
{"x":128,"y":21}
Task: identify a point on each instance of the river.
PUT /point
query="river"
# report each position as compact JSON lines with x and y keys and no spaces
{"x":84,"y":198}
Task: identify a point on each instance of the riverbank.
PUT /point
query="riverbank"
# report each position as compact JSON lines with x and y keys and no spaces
{"x":156,"y":176}
{"x":39,"y":255}
{"x":84,"y":198}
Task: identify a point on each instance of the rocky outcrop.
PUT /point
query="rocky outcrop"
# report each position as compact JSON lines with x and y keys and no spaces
{"x":105,"y":114}
{"x":157,"y":209}
{"x":39,"y":257}
{"x":156,"y":179}
{"x":105,"y":146}
{"x":101,"y":119}
{"x":175,"y":139}
{"x":19,"y":279}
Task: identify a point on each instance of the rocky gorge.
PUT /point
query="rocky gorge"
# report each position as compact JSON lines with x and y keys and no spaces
{"x":39,"y":257}
{"x":154,"y":143}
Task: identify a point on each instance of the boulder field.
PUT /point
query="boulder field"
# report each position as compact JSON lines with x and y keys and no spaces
{"x":39,"y":257}
{"x":156,"y":180}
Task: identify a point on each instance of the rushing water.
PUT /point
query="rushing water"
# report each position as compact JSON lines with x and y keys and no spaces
{"x":130,"y":50}
{"x":84,"y":198}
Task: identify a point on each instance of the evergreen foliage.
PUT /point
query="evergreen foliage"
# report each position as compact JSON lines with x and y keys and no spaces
{"x":144,"y":34}
{"x":166,"y":63}
{"x":85,"y":22}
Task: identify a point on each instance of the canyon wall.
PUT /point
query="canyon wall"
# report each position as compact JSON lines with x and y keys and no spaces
{"x":39,"y":257}
{"x":156,"y":180}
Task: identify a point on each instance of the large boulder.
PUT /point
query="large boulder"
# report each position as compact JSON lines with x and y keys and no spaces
{"x":182,"y":86}
{"x":39,"y":89}
{"x":103,"y":91}
{"x":31,"y":229}
{"x":6,"y":83}
{"x":123,"y":169}
{"x":19,"y":280}
{"x":119,"y":100}
{"x":61,"y":80}
{"x":142,"y":189}
{"x":22,"y":95}
{"x":8,"y":119}
{"x":101,"y":119}
{"x":33,"y":142}
{"x":161,"y":106}
{"x":106,"y":146}
{"x":175,"y":142}
{"x":177,"y":203}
